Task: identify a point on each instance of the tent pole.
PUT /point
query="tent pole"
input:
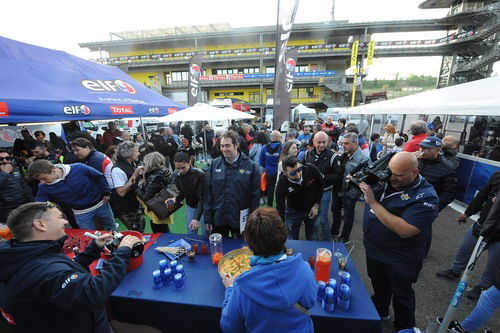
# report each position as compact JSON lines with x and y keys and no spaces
{"x":144,"y":135}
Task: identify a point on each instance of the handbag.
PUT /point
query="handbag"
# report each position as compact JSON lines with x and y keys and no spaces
{"x":158,"y":206}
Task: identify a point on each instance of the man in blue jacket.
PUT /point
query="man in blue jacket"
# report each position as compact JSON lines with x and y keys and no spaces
{"x":45,"y":290}
{"x":82,"y":188}
{"x":86,"y":154}
{"x":397,"y":224}
{"x":232,"y":189}
{"x":269,"y":160}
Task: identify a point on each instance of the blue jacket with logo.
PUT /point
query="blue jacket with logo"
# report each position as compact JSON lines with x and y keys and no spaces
{"x":263,"y":298}
{"x":269,"y":160}
{"x":81,"y":187}
{"x":418,"y":205}
{"x":48,"y":292}
{"x":230,"y":188}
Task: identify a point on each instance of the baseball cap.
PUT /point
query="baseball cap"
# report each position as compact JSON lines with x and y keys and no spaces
{"x":431,"y":142}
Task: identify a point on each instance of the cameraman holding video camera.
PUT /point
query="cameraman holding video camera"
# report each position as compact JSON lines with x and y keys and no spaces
{"x":397,"y":224}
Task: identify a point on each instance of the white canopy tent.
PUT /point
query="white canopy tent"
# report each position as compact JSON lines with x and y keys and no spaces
{"x":480,"y":98}
{"x":205,"y":112}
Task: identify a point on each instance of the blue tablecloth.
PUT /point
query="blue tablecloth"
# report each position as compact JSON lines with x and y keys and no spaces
{"x":197,"y":308}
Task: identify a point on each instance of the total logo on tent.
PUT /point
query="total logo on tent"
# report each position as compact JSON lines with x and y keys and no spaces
{"x":108,"y":86}
{"x":126,"y":109}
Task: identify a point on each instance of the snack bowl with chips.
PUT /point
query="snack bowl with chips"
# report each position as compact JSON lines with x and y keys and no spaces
{"x":235,"y":262}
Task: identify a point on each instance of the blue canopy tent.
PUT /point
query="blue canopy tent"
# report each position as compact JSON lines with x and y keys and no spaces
{"x":44,"y":85}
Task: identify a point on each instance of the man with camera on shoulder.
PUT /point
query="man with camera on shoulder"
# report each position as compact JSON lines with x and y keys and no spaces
{"x":397,"y":224}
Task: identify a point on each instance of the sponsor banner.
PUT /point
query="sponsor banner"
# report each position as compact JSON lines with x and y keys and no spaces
{"x":371,"y":51}
{"x":354,"y":54}
{"x":261,"y":76}
{"x":4,"y":109}
{"x":121,"y":109}
{"x":74,"y":110}
{"x":111,"y":86}
{"x":194,"y":74}
{"x":284,"y":62}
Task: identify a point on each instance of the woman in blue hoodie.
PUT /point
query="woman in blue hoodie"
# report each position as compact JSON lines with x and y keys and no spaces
{"x":267,"y":298}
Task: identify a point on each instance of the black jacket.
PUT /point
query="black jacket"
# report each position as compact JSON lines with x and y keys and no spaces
{"x":300,"y":197}
{"x":483,"y":201}
{"x":13,"y":192}
{"x":48,"y":292}
{"x":230,"y":188}
{"x":191,"y":187}
{"x":200,"y":137}
{"x":491,"y":231}
{"x":328,"y":163}
{"x":442,"y":176}
{"x":450,"y":156}
{"x":156,"y":181}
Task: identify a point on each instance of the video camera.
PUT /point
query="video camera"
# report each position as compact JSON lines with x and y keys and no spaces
{"x":137,"y":248}
{"x":371,"y":174}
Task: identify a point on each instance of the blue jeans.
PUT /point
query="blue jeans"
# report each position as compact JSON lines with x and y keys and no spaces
{"x":485,"y":307}
{"x":349,"y":205}
{"x":189,"y":216}
{"x":294,"y":219}
{"x":104,"y":213}
{"x":322,"y":220}
{"x":464,"y":252}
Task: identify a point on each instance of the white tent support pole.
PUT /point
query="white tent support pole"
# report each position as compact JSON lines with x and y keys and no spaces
{"x":144,"y":135}
{"x":401,"y":129}
{"x":459,"y":292}
{"x":371,"y":125}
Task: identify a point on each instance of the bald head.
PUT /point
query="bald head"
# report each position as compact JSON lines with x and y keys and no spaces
{"x":450,"y":142}
{"x":275,"y":135}
{"x":404,"y":169}
{"x":320,"y":141}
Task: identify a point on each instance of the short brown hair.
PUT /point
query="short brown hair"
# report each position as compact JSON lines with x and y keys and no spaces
{"x":21,"y":219}
{"x":265,"y":232}
{"x":235,"y":138}
{"x":39,"y":167}
{"x":82,"y":143}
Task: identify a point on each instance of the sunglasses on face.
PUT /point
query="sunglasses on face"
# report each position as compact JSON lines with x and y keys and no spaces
{"x":295,"y":172}
{"x":8,"y":158}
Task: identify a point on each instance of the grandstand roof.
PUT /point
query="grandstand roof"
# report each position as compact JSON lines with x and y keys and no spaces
{"x":429,"y":4}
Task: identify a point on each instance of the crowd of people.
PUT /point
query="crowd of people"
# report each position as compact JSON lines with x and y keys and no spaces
{"x":306,"y":173}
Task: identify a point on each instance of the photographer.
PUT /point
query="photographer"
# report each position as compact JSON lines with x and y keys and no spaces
{"x":45,"y":290}
{"x":397,"y":224}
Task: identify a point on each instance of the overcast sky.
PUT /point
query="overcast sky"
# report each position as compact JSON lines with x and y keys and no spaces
{"x":62,"y":24}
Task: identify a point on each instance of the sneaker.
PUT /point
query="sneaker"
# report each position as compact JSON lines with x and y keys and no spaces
{"x":475,"y":293}
{"x":454,"y":325}
{"x":448,"y":274}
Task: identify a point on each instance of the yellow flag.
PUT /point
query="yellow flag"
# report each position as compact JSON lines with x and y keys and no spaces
{"x":371,"y":51}
{"x":354,"y":54}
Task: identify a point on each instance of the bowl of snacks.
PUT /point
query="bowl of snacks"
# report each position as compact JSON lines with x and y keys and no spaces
{"x":235,"y":262}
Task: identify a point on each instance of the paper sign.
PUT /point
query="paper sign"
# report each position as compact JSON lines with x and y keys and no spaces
{"x":243,"y":219}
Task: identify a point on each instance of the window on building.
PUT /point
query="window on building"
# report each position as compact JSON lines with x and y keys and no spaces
{"x":269,"y":69}
{"x":254,"y":97}
{"x":302,"y":68}
{"x":179,"y":76}
{"x":305,"y":92}
{"x":269,"y":92}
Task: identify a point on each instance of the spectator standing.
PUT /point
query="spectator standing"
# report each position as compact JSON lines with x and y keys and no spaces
{"x":40,"y":137}
{"x":265,"y":298}
{"x":186,"y":148}
{"x":47,"y":291}
{"x":327,"y":162}
{"x":58,"y":144}
{"x":289,"y":148}
{"x":329,"y":128}
{"x":190,"y":183}
{"x":232,"y":188}
{"x":389,"y":138}
{"x":298,"y":196}
{"x":110,"y":134}
{"x":245,"y":139}
{"x":346,"y":197}
{"x":339,"y":130}
{"x":187,"y":132}
{"x":80,"y":187}
{"x":450,"y":149}
{"x":437,"y":124}
{"x":269,"y":159}
{"x":398,"y":145}
{"x":396,"y":224}
{"x":28,"y":140}
{"x":304,"y":138}
{"x":124,"y":175}
{"x":375,"y":146}
{"x":255,"y":152}
{"x":419,"y":131}
{"x":86,"y":154}
{"x":208,"y":133}
{"x":40,"y":151}
{"x":13,"y":189}
{"x":156,"y":177}
{"x":169,"y":133}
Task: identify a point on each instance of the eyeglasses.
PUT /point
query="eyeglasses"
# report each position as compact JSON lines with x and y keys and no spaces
{"x":8,"y":158}
{"x":295,"y":172}
{"x":47,"y":205}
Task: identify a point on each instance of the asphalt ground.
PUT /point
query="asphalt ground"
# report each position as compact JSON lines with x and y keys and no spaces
{"x":433,"y":295}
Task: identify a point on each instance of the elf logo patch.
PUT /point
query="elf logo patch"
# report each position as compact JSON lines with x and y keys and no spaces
{"x":68,"y":280}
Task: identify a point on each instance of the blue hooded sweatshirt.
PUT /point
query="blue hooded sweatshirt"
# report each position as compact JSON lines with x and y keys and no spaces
{"x":263,"y":298}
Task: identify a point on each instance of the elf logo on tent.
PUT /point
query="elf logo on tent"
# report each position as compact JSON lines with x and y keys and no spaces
{"x":4,"y":110}
{"x":68,"y":280}
{"x":108,"y":86}
{"x":76,"y":109}
{"x":154,"y":110}
{"x":127,"y":109}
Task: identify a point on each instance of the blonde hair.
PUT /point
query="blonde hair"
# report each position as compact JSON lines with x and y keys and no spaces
{"x":153,"y":161}
{"x":390,"y":128}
